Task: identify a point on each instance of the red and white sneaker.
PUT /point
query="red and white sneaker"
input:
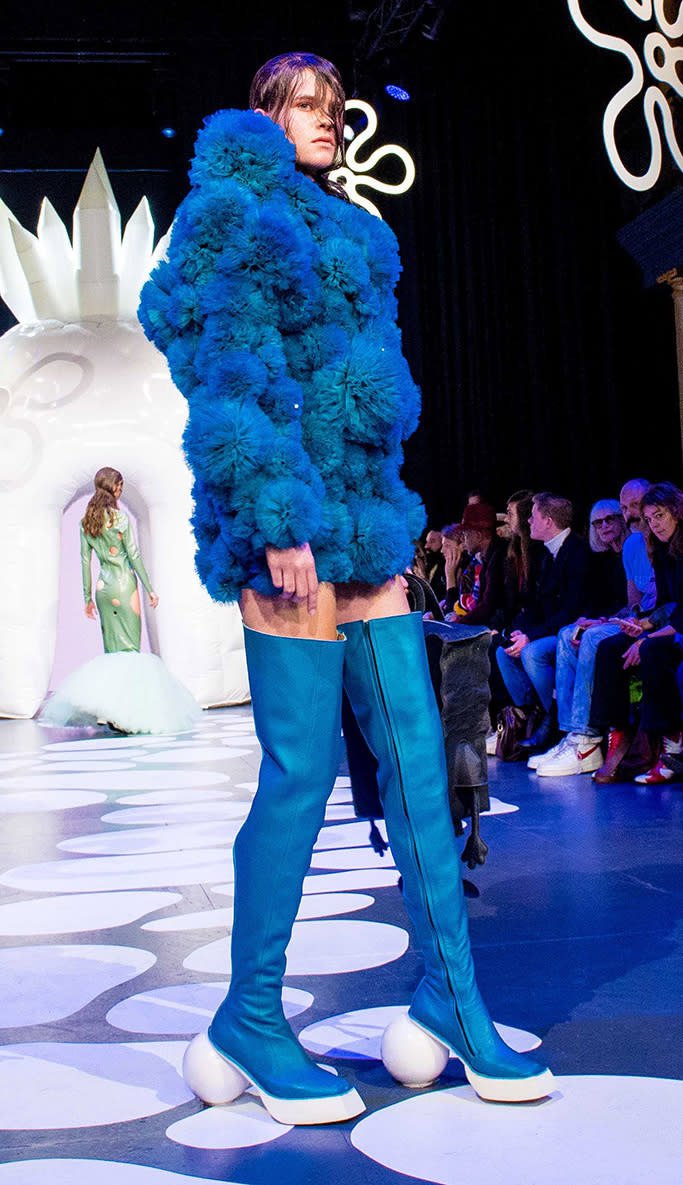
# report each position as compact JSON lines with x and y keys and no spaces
{"x":538,"y":759}
{"x":660,"y":773}
{"x":579,"y":755}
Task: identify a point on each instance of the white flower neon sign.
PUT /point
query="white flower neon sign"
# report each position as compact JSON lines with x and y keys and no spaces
{"x":354,"y":174}
{"x":663,"y":61}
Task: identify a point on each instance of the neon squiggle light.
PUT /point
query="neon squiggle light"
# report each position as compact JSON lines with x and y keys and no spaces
{"x":662,"y":60}
{"x":355,"y":173}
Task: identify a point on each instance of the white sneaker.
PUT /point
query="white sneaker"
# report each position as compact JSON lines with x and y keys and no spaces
{"x":539,"y":758}
{"x":491,"y":742}
{"x":580,"y":755}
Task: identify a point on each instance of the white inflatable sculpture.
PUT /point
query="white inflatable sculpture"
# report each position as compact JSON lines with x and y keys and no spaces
{"x":81,"y":387}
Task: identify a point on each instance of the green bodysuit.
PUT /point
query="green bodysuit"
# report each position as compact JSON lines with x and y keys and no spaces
{"x":116,"y":590}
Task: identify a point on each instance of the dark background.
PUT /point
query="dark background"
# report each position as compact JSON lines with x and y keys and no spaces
{"x":544,"y":361}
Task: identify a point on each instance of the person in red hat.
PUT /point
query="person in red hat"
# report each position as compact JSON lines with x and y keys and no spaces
{"x":479,"y":598}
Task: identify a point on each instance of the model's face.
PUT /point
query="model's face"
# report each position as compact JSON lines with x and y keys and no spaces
{"x":118,"y":490}
{"x":541,"y":526}
{"x":310,"y":125}
{"x":630,"y":502}
{"x":661,"y":522}
{"x":608,"y":526}
{"x":433,"y":541}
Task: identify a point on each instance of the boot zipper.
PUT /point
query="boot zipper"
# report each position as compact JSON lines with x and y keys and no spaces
{"x":437,"y":941}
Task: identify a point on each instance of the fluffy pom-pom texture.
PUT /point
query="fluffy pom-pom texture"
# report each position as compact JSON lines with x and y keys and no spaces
{"x":242,"y":145}
{"x":287,"y":512}
{"x":276,"y":310}
{"x":227,"y":440}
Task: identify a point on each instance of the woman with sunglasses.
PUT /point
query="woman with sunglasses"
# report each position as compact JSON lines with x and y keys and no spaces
{"x":651,"y":647}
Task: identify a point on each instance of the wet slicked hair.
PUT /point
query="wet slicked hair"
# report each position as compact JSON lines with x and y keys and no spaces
{"x":273,"y":88}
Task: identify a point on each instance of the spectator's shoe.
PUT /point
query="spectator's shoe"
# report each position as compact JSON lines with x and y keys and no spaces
{"x":579,"y":755}
{"x":400,"y":721}
{"x":618,"y":746}
{"x":544,"y":736}
{"x":539,"y":758}
{"x":491,"y":742}
{"x":661,"y":773}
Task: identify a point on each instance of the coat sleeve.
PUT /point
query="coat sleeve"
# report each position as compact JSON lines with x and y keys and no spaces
{"x":237,"y":276}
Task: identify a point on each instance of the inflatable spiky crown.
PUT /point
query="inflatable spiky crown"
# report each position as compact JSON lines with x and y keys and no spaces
{"x":98,"y":275}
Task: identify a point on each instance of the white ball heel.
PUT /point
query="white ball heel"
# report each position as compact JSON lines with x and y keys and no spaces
{"x":210,"y":1076}
{"x":412,"y":1057}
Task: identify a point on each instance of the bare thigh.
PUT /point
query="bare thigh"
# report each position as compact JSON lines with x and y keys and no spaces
{"x":337,"y":604}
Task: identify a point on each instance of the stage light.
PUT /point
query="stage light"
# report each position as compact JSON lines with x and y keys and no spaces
{"x":2,"y":131}
{"x":169,"y":133}
{"x":397,"y":92}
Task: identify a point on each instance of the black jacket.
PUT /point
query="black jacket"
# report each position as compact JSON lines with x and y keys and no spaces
{"x":561,"y":593}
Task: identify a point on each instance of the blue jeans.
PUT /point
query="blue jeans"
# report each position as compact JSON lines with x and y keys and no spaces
{"x":575,"y":674}
{"x":533,"y":671}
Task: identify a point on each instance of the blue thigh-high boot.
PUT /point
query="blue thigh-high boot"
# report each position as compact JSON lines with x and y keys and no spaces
{"x":386,"y":678}
{"x":296,"y":696}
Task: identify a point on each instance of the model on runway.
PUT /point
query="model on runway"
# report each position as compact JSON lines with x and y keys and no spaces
{"x":132,"y":692}
{"x":276,"y":311}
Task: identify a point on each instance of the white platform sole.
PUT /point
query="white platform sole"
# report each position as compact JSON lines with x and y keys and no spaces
{"x":217,"y":1080}
{"x":415,"y":1057}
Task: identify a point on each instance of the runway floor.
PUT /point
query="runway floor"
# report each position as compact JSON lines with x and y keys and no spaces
{"x":115,"y":900}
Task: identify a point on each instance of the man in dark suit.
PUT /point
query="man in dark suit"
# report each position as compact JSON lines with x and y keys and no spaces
{"x":528,"y":664}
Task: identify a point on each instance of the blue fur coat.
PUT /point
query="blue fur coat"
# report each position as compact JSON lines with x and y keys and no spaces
{"x":276,"y":311}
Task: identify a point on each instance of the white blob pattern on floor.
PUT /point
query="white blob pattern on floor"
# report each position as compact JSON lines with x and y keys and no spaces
{"x":136,"y":779}
{"x":348,"y":835}
{"x":339,"y":882}
{"x":243,"y":1124}
{"x":94,"y":874}
{"x":172,"y":838}
{"x":122,"y":874}
{"x":358,"y":1034}
{"x":348,"y":858}
{"x":87,"y":1085}
{"x":179,"y":812}
{"x":47,"y":983}
{"x":186,"y":1008}
{"x":189,"y":756}
{"x":319,"y":905}
{"x":83,"y":1171}
{"x":77,"y":913}
{"x":35,"y":801}
{"x":600,"y":1129}
{"x":320,"y":948}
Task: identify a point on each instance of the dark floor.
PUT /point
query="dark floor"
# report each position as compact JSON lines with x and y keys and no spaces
{"x":115,"y":898}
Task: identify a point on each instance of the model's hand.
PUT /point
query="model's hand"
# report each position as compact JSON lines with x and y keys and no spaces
{"x":293,"y":570}
{"x":632,"y":656}
{"x":519,"y":641}
{"x":153,"y":600}
{"x":91,"y":611}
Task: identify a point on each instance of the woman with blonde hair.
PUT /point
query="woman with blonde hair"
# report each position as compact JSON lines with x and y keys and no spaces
{"x":106,"y":531}
{"x":131,"y":692}
{"x":276,"y":311}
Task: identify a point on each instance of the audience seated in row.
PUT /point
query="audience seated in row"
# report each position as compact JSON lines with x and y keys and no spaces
{"x":562,"y":611}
